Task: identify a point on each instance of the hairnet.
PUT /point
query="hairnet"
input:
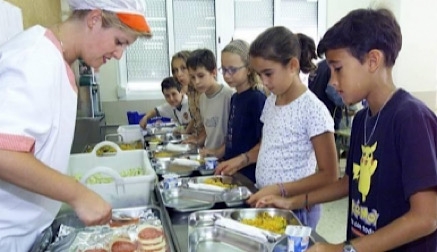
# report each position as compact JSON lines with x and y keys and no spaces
{"x":130,"y":12}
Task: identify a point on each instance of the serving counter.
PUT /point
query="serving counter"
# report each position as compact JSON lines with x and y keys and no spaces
{"x":178,"y":221}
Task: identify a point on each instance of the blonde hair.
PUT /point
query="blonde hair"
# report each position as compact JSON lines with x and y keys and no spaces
{"x":241,"y":48}
{"x":109,"y":19}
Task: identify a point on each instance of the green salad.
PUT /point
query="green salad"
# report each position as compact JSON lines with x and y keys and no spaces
{"x":101,"y":178}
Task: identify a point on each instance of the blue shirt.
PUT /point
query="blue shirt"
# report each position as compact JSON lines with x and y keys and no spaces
{"x":399,"y":160}
{"x":244,"y":126}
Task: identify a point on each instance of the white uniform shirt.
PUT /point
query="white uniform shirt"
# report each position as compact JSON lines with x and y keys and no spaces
{"x":38,"y":101}
{"x":215,"y":114}
{"x":286,"y":152}
{"x":182,"y":116}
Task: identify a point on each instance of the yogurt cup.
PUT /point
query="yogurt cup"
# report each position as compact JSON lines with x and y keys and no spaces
{"x":298,"y":238}
{"x":170,"y":181}
{"x":210,"y":163}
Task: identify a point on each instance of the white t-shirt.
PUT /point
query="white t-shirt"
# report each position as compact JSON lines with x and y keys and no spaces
{"x":286,"y":152}
{"x":38,"y":101}
{"x":215,"y":115}
{"x":182,"y":115}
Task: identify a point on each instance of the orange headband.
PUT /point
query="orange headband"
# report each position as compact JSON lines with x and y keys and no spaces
{"x":135,"y":21}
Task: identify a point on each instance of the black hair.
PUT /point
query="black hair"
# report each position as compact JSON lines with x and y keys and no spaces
{"x":363,"y":30}
{"x":169,"y":83}
{"x":202,"y":58}
{"x":281,"y":45}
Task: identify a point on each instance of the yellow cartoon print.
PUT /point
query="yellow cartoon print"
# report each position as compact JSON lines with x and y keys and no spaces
{"x":364,"y":171}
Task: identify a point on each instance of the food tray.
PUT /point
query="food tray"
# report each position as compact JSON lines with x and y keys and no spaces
{"x":187,"y":200}
{"x":164,"y":165}
{"x":121,"y":189}
{"x":49,"y":241}
{"x":228,"y":180}
{"x":212,"y":238}
{"x":204,"y":222}
{"x":192,"y":195}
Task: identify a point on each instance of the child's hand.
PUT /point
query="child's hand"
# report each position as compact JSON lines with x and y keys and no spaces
{"x":265,"y":191}
{"x":274,"y":201}
{"x":229,"y":167}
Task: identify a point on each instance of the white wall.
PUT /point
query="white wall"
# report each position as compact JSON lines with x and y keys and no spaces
{"x":416,"y":66}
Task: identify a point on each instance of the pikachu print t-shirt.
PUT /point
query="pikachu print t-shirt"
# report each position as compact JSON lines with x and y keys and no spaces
{"x":398,"y":160}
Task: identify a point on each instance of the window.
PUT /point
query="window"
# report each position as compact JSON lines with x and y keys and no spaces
{"x":191,"y":24}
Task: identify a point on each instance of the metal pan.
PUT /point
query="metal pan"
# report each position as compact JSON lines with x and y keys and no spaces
{"x":164,"y":165}
{"x":236,"y":196}
{"x":227,"y":180}
{"x":186,"y":200}
{"x":252,"y":213}
{"x":219,"y":239}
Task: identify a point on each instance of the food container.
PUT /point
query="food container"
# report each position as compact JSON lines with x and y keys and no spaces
{"x":236,"y":196}
{"x":167,"y":165}
{"x":213,"y":238}
{"x":252,"y":213}
{"x":193,"y":195}
{"x":157,"y":130}
{"x":160,"y":138}
{"x":124,"y":178}
{"x":206,"y":234}
{"x":68,"y":233}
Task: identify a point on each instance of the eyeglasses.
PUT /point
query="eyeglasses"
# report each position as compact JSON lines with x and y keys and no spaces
{"x":230,"y":70}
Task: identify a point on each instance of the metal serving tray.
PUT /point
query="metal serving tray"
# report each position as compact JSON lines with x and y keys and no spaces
{"x":204,"y":222}
{"x":224,"y":179}
{"x":206,"y":239}
{"x":163,"y":166}
{"x":187,"y":200}
{"x":250,"y":213}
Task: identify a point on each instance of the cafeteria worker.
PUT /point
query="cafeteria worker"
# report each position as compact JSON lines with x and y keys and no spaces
{"x":38,"y":101}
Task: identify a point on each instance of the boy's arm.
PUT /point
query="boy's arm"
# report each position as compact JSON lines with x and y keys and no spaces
{"x":419,"y":221}
{"x":143,"y":122}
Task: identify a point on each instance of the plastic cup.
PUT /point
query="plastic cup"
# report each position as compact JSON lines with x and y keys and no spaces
{"x":210,"y":163}
{"x":298,"y":238}
{"x":170,"y":181}
{"x":153,"y":146}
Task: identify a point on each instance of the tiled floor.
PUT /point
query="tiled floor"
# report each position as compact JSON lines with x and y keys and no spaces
{"x":332,"y":224}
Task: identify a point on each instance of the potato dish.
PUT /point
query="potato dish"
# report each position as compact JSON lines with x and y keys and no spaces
{"x":275,"y":224}
{"x":218,"y":182}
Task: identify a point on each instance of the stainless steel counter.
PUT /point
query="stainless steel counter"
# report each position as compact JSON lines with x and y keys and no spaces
{"x":179,"y":221}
